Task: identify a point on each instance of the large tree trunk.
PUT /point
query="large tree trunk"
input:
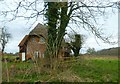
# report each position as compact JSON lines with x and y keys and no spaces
{"x":52,"y":16}
{"x":64,"y":20}
{"x":52,"y":20}
{"x":56,"y":34}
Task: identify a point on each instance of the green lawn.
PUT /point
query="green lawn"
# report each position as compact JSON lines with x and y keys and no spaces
{"x":97,"y":70}
{"x":82,"y":70}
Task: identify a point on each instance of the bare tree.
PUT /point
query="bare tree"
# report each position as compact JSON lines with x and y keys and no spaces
{"x":4,"y":38}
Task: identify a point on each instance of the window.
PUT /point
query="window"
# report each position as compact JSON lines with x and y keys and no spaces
{"x":43,"y":55}
{"x":42,"y":40}
{"x":33,"y":39}
{"x":36,"y":54}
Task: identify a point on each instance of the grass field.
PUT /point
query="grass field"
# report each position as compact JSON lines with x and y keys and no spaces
{"x":84,"y":69}
{"x":98,"y":69}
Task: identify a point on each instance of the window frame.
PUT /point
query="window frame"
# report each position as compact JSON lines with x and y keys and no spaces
{"x":42,"y":40}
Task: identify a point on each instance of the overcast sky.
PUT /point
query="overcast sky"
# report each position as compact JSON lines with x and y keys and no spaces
{"x":19,"y":29}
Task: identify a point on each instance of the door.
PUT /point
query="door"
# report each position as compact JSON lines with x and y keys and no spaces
{"x":23,"y":56}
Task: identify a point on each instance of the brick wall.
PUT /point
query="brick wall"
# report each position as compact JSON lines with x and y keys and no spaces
{"x":34,"y":45}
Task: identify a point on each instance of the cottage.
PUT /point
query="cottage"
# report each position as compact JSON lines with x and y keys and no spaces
{"x":33,"y":46}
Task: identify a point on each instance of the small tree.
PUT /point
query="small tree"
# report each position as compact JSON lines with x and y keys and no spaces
{"x":76,"y":45}
{"x":91,"y":51}
{"x":75,"y":41}
{"x":4,"y":38}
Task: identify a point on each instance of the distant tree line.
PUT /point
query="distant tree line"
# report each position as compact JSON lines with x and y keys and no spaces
{"x":104,"y":52}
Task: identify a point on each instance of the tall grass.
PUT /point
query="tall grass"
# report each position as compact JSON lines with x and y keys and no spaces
{"x":72,"y":70}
